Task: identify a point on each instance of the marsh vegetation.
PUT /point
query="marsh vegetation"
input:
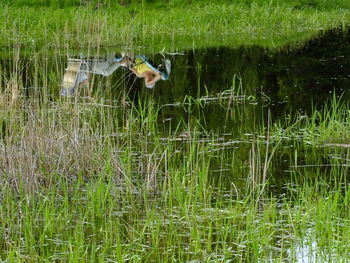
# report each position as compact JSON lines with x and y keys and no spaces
{"x":241,"y":155}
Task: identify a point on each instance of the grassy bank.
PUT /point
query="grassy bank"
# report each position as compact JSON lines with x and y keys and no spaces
{"x":156,"y":25}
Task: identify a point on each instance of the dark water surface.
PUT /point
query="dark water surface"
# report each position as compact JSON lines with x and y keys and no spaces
{"x":284,"y":82}
{"x":238,"y":88}
{"x":227,"y":92}
{"x":226,"y":98}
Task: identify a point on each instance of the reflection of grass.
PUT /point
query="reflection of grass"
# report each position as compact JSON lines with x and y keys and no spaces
{"x":172,"y":27}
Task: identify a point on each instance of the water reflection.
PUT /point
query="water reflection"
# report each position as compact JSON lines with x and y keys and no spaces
{"x":142,"y":68}
{"x":220,"y":120}
{"x":309,"y":250}
{"x":224,"y":91}
{"x":79,"y":71}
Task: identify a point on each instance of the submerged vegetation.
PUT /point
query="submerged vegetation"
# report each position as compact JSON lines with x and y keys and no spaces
{"x":206,"y":167}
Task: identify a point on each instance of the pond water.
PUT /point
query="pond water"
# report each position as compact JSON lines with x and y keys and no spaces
{"x":281,"y":81}
{"x":228,"y":92}
{"x":231,"y":96}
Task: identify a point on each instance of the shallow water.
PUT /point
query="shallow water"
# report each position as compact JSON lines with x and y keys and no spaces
{"x":224,"y":99}
{"x":227,"y":92}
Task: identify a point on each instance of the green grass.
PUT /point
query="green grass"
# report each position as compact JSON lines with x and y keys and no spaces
{"x":96,"y":223}
{"x":100,"y":183}
{"x":109,"y":180}
{"x":173,"y":27}
{"x":328,"y":126}
{"x":175,"y":3}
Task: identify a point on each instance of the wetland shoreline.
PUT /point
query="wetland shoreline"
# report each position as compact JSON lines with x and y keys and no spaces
{"x":241,"y":155}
